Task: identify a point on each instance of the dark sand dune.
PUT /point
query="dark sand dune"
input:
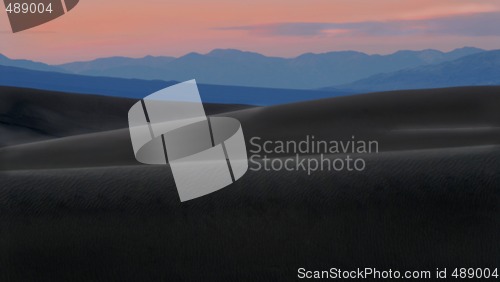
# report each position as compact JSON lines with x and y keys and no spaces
{"x":78,"y":208}
{"x":401,"y":120}
{"x":53,"y":114}
{"x":28,"y":115}
{"x":409,"y":210}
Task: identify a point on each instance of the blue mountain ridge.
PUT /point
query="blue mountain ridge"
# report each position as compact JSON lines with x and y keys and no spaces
{"x":235,"y":67}
{"x":482,"y":69}
{"x":27,"y":64}
{"x":136,"y":88}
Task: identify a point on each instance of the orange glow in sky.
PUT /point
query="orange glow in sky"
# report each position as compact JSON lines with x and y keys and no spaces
{"x":102,"y":28}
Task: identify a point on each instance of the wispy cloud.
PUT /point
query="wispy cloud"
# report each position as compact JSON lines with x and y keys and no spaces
{"x":475,"y":24}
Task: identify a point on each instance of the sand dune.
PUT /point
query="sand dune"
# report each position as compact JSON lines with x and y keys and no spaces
{"x":410,"y":210}
{"x":402,"y":120}
{"x":28,"y":115}
{"x":80,"y":208}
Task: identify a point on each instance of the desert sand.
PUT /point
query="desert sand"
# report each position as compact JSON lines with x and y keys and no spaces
{"x":76,"y":206}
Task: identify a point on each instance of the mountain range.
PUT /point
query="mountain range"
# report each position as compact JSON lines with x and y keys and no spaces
{"x":233,"y":71}
{"x":474,"y":70}
{"x":234,"y":67}
{"x":27,"y":64}
{"x":137,"y":88}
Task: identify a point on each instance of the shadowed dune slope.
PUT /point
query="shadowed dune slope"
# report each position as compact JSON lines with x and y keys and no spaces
{"x":408,"y":210}
{"x":28,"y":115}
{"x":400,"y":120}
{"x":78,"y":208}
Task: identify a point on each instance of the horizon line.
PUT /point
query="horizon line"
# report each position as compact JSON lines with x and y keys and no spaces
{"x":253,"y":52}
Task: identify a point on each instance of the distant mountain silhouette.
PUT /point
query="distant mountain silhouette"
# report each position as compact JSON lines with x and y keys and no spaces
{"x":121,"y":66}
{"x":136,"y":88}
{"x":355,"y":71}
{"x":27,"y":64}
{"x":234,"y":67}
{"x":473,"y":70}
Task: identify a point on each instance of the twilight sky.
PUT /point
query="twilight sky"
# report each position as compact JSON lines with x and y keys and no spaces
{"x":102,"y":28}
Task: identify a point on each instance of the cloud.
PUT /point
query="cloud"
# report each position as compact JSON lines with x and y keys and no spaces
{"x":475,"y":24}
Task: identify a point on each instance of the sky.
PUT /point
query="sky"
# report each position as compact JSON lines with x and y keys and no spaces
{"x":284,"y":28}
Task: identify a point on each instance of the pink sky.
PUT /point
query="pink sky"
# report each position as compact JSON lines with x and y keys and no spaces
{"x":100,"y":28}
